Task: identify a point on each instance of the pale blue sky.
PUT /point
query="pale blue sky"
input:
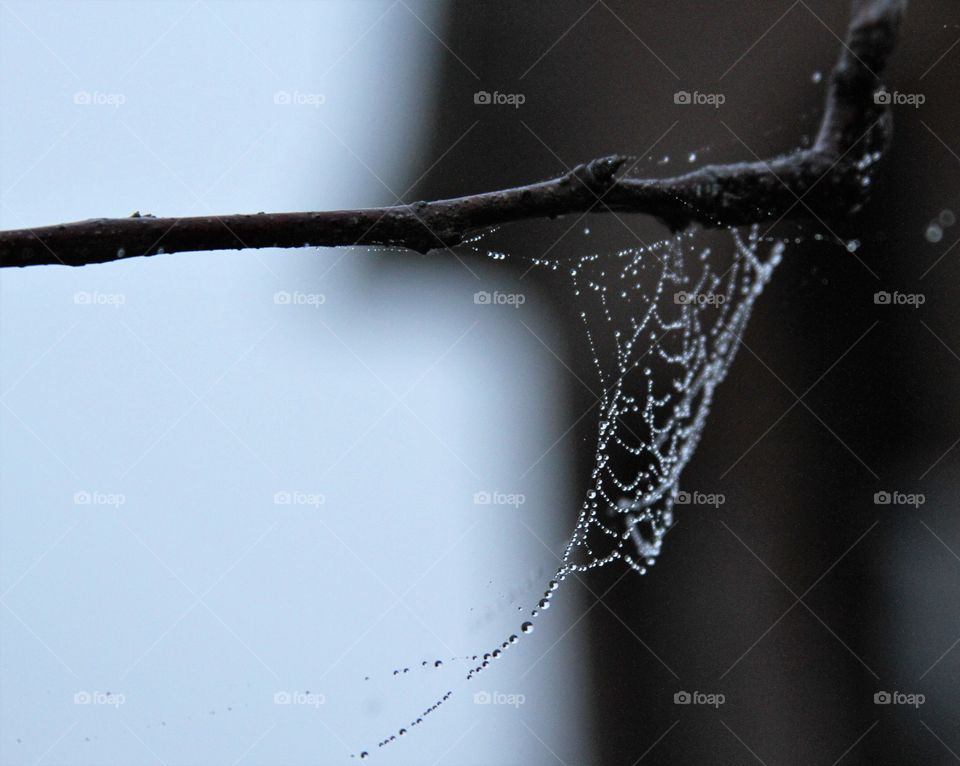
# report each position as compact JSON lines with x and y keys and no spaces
{"x":179,"y":387}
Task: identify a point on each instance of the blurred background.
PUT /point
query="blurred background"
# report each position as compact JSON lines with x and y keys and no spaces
{"x":241,"y":490}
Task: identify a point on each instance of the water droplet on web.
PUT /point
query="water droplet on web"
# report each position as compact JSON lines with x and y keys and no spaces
{"x":816,"y":77}
{"x":853,"y":245}
{"x":586,"y":232}
{"x":934,"y":233}
{"x":947,"y":218}
{"x":527,"y":627}
{"x":692,"y":157}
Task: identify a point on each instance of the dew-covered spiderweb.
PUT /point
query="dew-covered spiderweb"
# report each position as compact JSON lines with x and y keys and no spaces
{"x":663,"y":324}
{"x":669,"y":342}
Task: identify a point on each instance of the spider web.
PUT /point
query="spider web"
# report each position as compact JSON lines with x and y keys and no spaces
{"x":659,"y":352}
{"x":663,"y":323}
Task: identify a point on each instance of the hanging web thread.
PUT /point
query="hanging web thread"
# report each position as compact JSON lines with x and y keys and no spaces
{"x":663,"y":323}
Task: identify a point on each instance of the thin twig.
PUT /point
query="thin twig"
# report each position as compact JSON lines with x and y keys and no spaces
{"x":826,"y":181}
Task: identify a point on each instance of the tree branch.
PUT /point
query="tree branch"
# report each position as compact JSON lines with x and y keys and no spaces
{"x":830,"y":180}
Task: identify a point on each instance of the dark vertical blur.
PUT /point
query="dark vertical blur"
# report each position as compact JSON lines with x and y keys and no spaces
{"x":800,"y":598}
